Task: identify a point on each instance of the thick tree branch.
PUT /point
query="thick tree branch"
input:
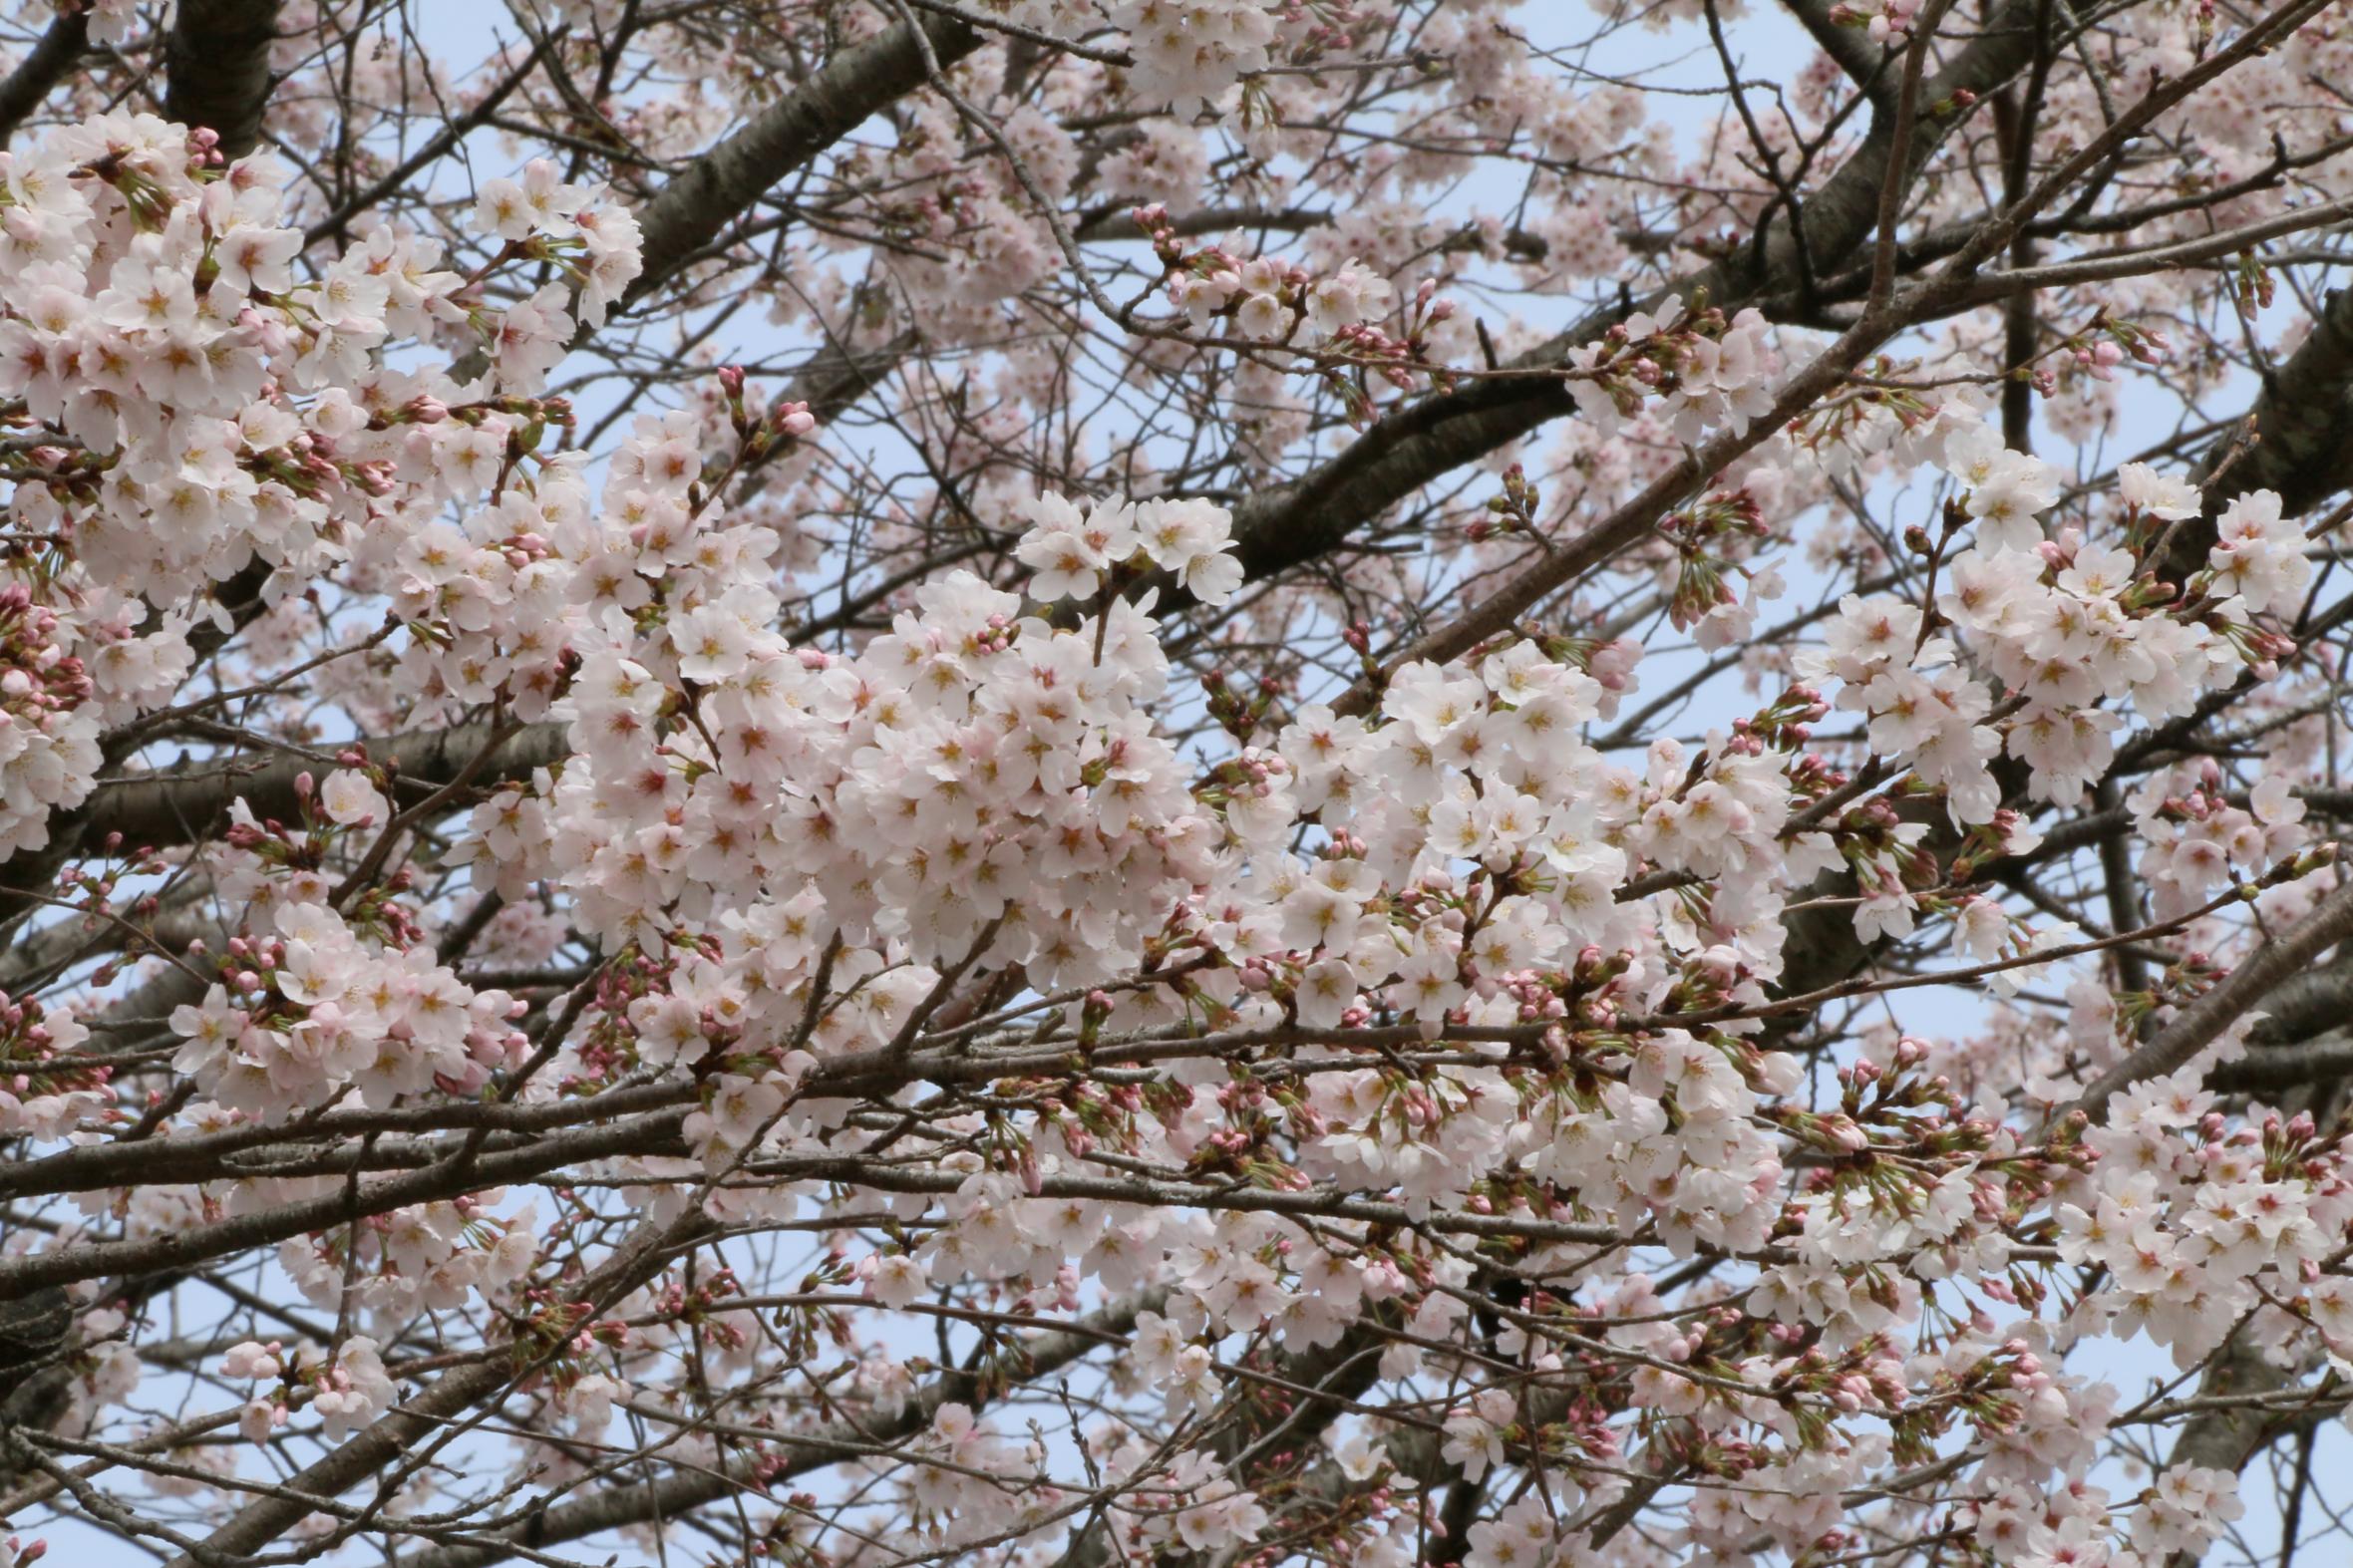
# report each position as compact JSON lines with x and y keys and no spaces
{"x":188,"y":804}
{"x":719,"y":185}
{"x":2288,"y":1067}
{"x":1868,"y":65}
{"x":29,"y":84}
{"x":1310,"y":518}
{"x":2301,"y":426}
{"x":216,"y":68}
{"x":2238,"y":994}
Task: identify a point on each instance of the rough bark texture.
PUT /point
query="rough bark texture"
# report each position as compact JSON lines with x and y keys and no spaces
{"x":183,"y":805}
{"x":2301,"y":431}
{"x":2243,"y":991}
{"x":693,"y":209}
{"x":55,"y":54}
{"x":1779,"y":270}
{"x":216,"y":68}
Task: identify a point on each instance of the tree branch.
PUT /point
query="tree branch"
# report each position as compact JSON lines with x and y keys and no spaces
{"x":1299,"y":522}
{"x":55,"y":54}
{"x":216,"y":68}
{"x":2204,"y":1021}
{"x":646,"y":1251}
{"x":683,"y":1491}
{"x":719,"y":185}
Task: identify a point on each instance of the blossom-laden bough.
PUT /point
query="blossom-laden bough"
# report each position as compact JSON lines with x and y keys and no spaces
{"x":1177,"y":781}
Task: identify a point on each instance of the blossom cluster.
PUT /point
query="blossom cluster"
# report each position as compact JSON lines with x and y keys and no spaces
{"x":204,"y":402}
{"x":346,"y":1391}
{"x":2075,"y":634}
{"x":1411,"y":1021}
{"x":2198,"y":1223}
{"x":1267,"y":300}
{"x":298,"y":1017}
{"x":1071,"y":551}
{"x":2193,"y":838}
{"x":1188,"y":53}
{"x":1708,"y":371}
{"x":796,"y":856}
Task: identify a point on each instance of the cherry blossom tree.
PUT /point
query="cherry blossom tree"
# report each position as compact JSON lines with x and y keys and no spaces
{"x":1189,"y":782}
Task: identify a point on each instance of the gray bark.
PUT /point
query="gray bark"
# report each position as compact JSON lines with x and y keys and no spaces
{"x":1409,"y":448}
{"x":58,"y":49}
{"x":2239,"y":993}
{"x":216,"y":68}
{"x":719,"y":186}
